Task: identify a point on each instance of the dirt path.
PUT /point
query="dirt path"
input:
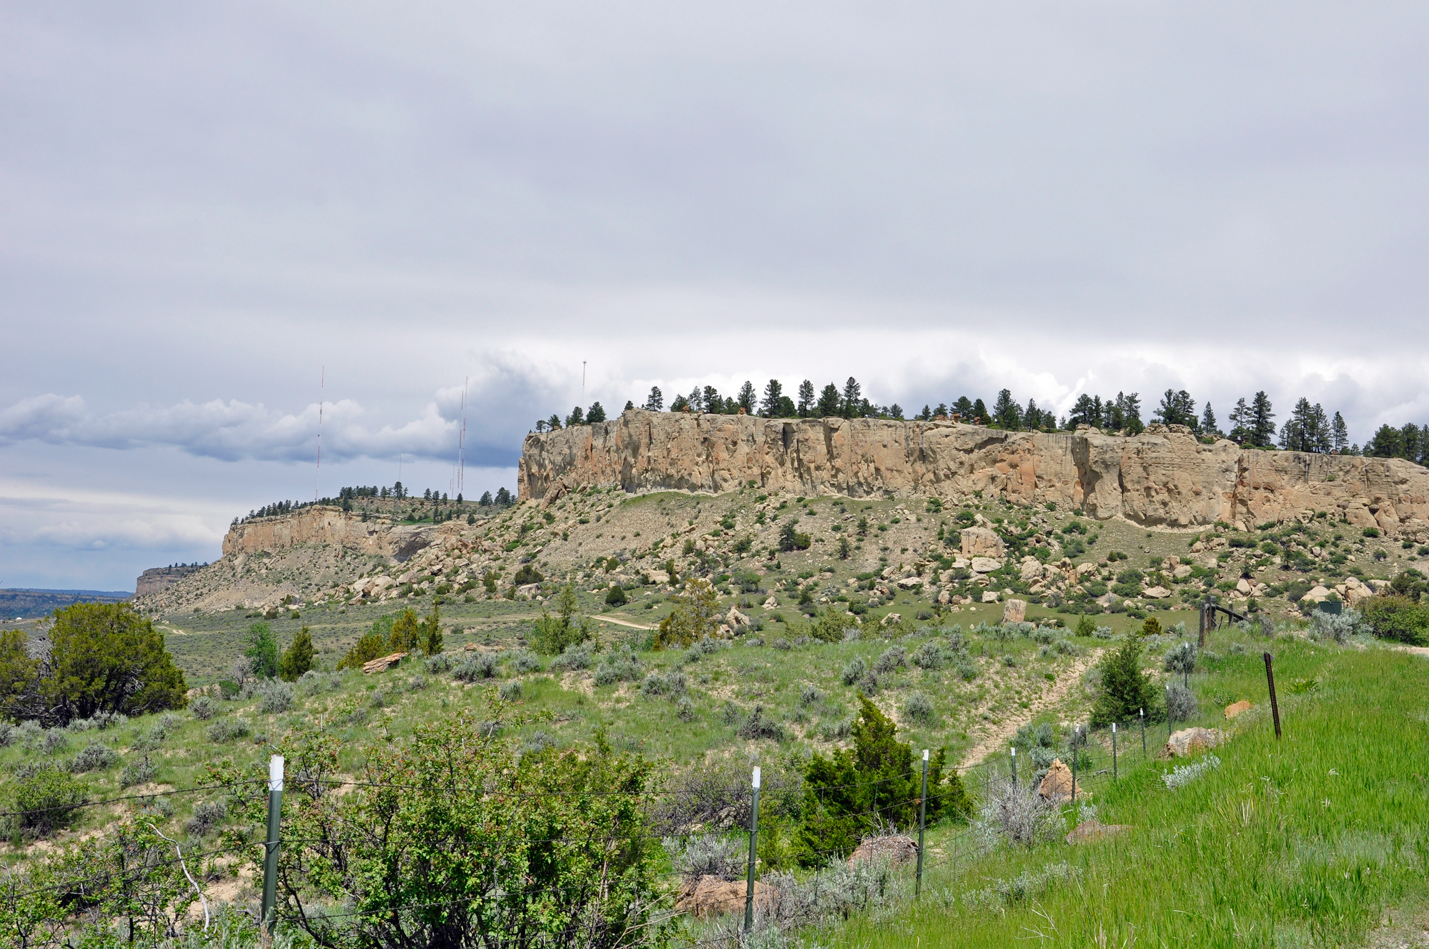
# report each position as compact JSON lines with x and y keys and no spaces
{"x":1003,"y":731}
{"x":622,"y":622}
{"x":1417,"y":650}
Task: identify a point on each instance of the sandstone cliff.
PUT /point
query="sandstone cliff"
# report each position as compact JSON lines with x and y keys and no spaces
{"x":1162,"y":478}
{"x":326,"y":525}
{"x":158,"y":579}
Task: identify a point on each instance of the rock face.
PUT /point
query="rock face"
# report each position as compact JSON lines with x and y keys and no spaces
{"x":326,"y":525}
{"x":1015,"y":611}
{"x":712,"y":896}
{"x":981,"y":542}
{"x":1163,"y":477}
{"x":1056,"y":785}
{"x":158,"y":579}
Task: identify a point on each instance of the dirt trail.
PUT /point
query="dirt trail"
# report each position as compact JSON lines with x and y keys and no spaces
{"x":622,"y":622}
{"x":1003,"y":731}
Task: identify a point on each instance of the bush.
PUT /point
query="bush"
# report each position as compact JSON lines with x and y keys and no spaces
{"x":95,"y":756}
{"x":274,"y":696}
{"x":555,"y":634}
{"x":1125,"y":689}
{"x":707,"y":855}
{"x":669,"y":685}
{"x":45,"y":801}
{"x":575,"y":657}
{"x":1337,"y":626}
{"x":875,"y":776}
{"x":853,"y":670}
{"x":616,"y":596}
{"x":141,"y":772}
{"x":203,"y":708}
{"x":475,"y":667}
{"x":510,"y":691}
{"x":226,"y":730}
{"x":207,"y":816}
{"x":298,"y":658}
{"x":441,"y":663}
{"x":619,"y":666}
{"x":918,"y":708}
{"x":1017,"y":814}
{"x":1181,"y":705}
{"x":525,"y":661}
{"x":695,"y":616}
{"x":312,"y":683}
{"x":1398,"y":618}
{"x":894,"y":657}
{"x":758,"y":725}
{"x":930,"y":656}
{"x":685,"y":709}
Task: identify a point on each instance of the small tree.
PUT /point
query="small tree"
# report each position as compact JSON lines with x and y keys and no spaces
{"x":298,"y":658}
{"x":655,"y":402}
{"x":695,"y":616}
{"x":1182,"y":659}
{"x":18,"y":673}
{"x":616,"y":596}
{"x":404,"y":636}
{"x":596,"y":413}
{"x":554,"y":634}
{"x":1085,"y":626}
{"x":829,"y":404}
{"x":104,"y":657}
{"x":1125,"y":689}
{"x":791,"y":539}
{"x":263,"y":650}
{"x":429,"y":632}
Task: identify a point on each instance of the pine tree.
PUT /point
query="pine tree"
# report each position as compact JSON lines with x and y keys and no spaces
{"x":806,"y":398}
{"x":629,"y":406}
{"x":773,"y":393}
{"x":895,"y":411}
{"x":963,"y":408}
{"x":298,"y":657}
{"x":1209,"y":426}
{"x":1339,"y":434}
{"x":1125,"y":689}
{"x":596,"y":413}
{"x":1005,"y":412}
{"x":655,"y":402}
{"x":485,"y":500}
{"x":979,"y":413}
{"x":577,"y":417}
{"x":1262,"y":429}
{"x":1240,"y":422}
{"x":695,"y":400}
{"x":852,"y":398}
{"x":829,"y":402}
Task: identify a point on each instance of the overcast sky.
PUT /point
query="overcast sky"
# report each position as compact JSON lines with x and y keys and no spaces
{"x":208,"y":211}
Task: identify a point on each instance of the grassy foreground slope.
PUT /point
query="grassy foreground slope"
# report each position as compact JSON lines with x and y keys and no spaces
{"x":1304,"y":841}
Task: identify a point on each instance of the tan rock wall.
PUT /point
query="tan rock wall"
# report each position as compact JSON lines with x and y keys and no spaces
{"x":325,"y":525}
{"x":1164,"y":477}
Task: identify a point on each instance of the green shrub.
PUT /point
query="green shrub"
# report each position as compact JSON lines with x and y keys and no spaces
{"x":45,"y":801}
{"x":107,"y":658}
{"x":298,"y":657}
{"x":96,"y":756}
{"x":1396,"y":617}
{"x":554,"y":634}
{"x":616,"y":596}
{"x":1125,"y":690}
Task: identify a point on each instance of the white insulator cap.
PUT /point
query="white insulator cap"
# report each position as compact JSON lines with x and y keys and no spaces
{"x":756,"y":777}
{"x":275,"y":773}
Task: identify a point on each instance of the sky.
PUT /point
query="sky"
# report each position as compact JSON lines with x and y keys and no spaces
{"x":216,"y":219}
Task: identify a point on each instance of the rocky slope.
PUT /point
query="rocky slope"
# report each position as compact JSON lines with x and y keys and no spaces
{"x":1162,"y":478}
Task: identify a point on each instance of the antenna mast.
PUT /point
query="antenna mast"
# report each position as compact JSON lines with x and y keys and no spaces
{"x":322,"y":385}
{"x":461,"y":442}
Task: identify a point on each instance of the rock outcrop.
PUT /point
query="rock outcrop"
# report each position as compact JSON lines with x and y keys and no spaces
{"x":1164,"y":477}
{"x":159,"y":579}
{"x":326,"y":525}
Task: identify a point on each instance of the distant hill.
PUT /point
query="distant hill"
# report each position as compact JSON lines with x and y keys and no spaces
{"x":29,"y":604}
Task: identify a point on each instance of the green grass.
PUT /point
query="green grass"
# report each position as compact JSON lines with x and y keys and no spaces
{"x":1299,"y":842}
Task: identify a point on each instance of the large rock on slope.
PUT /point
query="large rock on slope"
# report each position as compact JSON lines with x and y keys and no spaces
{"x":1163,"y":477}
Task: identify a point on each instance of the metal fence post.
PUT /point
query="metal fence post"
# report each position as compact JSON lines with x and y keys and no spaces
{"x":1014,"y":766}
{"x":753,"y":850}
{"x":1143,"y":734}
{"x":1274,"y":705}
{"x":1076,"y":735}
{"x":270,"y":855}
{"x":1113,"y":752}
{"x":922,"y":824}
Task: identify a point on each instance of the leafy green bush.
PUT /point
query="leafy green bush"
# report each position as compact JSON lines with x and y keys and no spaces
{"x":106,"y":658}
{"x":553,"y":844}
{"x":554,"y":634}
{"x":1395,"y":617}
{"x":45,"y":801}
{"x":96,"y":756}
{"x":1125,"y":690}
{"x":616,"y":596}
{"x":298,"y":658}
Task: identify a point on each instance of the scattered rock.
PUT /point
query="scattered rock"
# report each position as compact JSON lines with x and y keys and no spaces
{"x":910,"y":583}
{"x":383,"y":664}
{"x":985,"y":565}
{"x":890,"y":619}
{"x":896,"y":849}
{"x":1156,"y":593}
{"x":1090,"y":830}
{"x":989,"y":596}
{"x":771,"y":603}
{"x":735,"y":619}
{"x":712,"y":896}
{"x":1056,"y":786}
{"x":1317,"y":594}
{"x":1190,"y":741}
{"x":1015,"y":611}
{"x":1236,"y":708}
{"x":981,"y":542}
{"x":1182,"y":572}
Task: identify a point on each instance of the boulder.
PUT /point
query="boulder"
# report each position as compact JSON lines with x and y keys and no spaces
{"x":1236,"y":708}
{"x":1056,"y":785}
{"x":771,"y":603}
{"x":1031,"y":569}
{"x":1091,"y":830}
{"x":1243,"y":587}
{"x":981,"y":542}
{"x":890,"y":619}
{"x":1191,"y":741}
{"x":1182,"y":572}
{"x":383,"y":664}
{"x":735,"y":619}
{"x":659,"y":577}
{"x":1317,"y":594}
{"x":895,"y":849}
{"x":712,"y":896}
{"x":1156,"y":593}
{"x":910,"y":583}
{"x":1015,"y":611}
{"x":985,"y":565}
{"x":989,"y":596}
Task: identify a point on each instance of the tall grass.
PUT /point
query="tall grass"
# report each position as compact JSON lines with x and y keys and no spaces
{"x":1298,"y":842}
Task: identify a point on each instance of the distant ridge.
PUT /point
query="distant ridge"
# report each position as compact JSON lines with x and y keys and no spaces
{"x":29,"y":604}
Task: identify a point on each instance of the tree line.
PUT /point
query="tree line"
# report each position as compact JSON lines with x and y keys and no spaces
{"x":1250,"y":422}
{"x":397,"y":492}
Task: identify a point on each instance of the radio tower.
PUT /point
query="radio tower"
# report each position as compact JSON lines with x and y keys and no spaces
{"x":322,"y":384}
{"x":461,"y":442}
